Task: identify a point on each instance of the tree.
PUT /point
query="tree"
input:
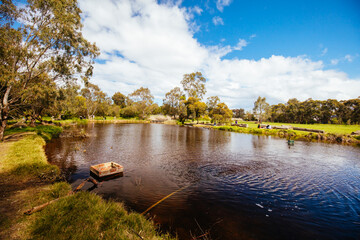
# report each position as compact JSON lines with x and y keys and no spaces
{"x":194,"y":85}
{"x":142,"y":99}
{"x":119,"y":99}
{"x":48,"y":39}
{"x":260,"y":108}
{"x":94,"y":98}
{"x":238,"y":113}
{"x":222,"y":114}
{"x":171,"y":102}
{"x":199,"y":110}
{"x":211,"y":103}
{"x":37,"y":98}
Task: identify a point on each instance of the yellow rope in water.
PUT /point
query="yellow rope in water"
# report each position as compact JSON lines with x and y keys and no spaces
{"x":163,"y":199}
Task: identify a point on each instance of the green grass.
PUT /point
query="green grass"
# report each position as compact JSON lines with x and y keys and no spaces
{"x":87,"y":216}
{"x":328,"y":128}
{"x":26,"y":159}
{"x":79,"y":216}
{"x":46,"y":131}
{"x":294,"y":134}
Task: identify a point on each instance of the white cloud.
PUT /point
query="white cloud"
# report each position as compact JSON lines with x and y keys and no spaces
{"x":197,"y":10}
{"x":242,"y":43}
{"x":220,"y":4}
{"x":252,"y":36}
{"x":334,"y":61}
{"x":349,"y":58}
{"x":146,"y":44}
{"x":324,"y":51}
{"x":217,"y":21}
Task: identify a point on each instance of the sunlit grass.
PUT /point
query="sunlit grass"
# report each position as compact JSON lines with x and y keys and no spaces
{"x":88,"y":216}
{"x":26,"y":159}
{"x":328,"y":128}
{"x":46,"y":131}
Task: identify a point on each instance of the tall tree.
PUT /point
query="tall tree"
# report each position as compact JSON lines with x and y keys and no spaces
{"x":238,"y":113}
{"x":172,"y":101}
{"x":142,"y":100}
{"x":211,"y":103}
{"x":260,"y":108}
{"x":222,"y":114}
{"x":48,"y":40}
{"x":194,"y":85}
{"x":94,"y":98}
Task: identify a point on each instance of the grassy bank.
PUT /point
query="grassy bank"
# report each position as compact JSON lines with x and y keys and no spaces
{"x":328,"y":128}
{"x":88,"y":216}
{"x":45,"y":131}
{"x":333,"y":134}
{"x":26,"y":160}
{"x":26,"y":181}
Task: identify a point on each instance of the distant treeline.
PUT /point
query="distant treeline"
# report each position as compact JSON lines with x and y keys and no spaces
{"x":309,"y":111}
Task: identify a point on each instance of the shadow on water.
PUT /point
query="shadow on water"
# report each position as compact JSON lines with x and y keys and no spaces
{"x":240,"y":186}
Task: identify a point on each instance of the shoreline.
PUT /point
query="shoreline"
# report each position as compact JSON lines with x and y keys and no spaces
{"x":28,"y":180}
{"x":326,"y":137}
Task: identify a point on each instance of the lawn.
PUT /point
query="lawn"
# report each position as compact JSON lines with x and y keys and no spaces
{"x":328,"y":128}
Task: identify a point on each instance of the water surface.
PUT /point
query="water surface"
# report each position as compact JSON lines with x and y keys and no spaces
{"x":239,"y":186}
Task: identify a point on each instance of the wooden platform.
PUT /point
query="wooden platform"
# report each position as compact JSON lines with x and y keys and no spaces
{"x":106,"y":169}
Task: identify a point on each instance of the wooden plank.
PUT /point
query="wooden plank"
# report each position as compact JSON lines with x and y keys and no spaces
{"x":308,"y":130}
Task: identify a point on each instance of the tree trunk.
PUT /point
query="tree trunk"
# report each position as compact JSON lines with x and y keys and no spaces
{"x":4,"y":112}
{"x":2,"y":129}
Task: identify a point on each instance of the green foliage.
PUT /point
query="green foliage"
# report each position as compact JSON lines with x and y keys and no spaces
{"x":119,"y":99}
{"x":47,"y":45}
{"x":172,"y":102}
{"x":99,"y":219}
{"x":261,"y":108}
{"x":221,"y":113}
{"x":141,"y":104}
{"x":194,"y":85}
{"x":316,"y":111}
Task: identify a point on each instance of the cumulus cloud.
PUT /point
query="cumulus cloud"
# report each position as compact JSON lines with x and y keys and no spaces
{"x":217,"y":21}
{"x":147,"y":44}
{"x":220,"y":4}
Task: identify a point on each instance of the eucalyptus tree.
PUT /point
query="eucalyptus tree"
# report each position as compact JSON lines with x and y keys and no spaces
{"x":260,"y":108}
{"x":46,"y":39}
{"x":211,"y":103}
{"x":95,"y":99}
{"x":142,"y":100}
{"x":172,"y":101}
{"x":194,"y":85}
{"x":119,"y":99}
{"x":221,"y":113}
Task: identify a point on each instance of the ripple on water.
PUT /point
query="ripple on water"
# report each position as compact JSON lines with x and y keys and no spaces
{"x":240,"y":186}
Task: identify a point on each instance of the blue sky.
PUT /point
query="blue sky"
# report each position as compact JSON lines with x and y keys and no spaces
{"x":245,"y":49}
{"x":322,"y":30}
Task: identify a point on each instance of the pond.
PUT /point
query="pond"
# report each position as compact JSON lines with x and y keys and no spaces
{"x":237,"y":186}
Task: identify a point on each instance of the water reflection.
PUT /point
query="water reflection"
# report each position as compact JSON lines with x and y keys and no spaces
{"x":241,"y":186}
